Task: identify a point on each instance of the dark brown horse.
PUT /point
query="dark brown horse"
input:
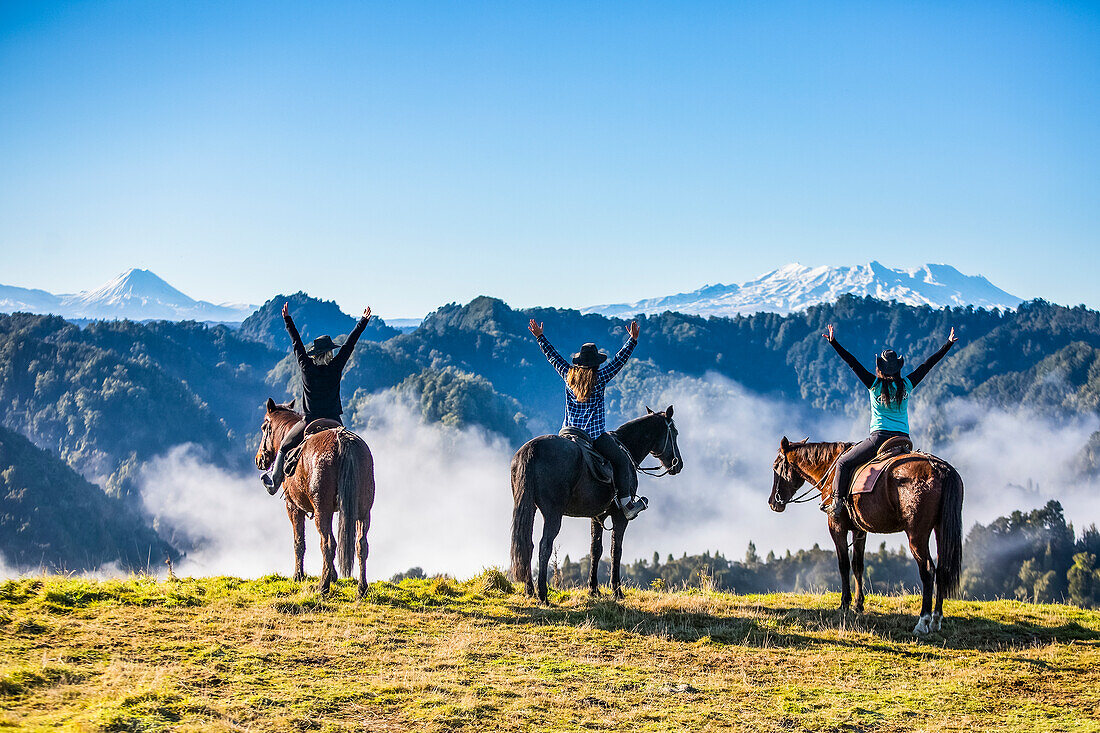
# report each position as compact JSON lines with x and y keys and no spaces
{"x":335,"y":474}
{"x":548,"y":473}
{"x":918,"y":496}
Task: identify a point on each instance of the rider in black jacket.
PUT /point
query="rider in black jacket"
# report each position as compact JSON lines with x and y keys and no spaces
{"x":321,"y":372}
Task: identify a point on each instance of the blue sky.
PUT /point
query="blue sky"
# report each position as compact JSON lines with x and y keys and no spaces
{"x":410,"y":154}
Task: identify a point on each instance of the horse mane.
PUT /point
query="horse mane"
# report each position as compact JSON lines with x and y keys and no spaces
{"x":819,"y":454}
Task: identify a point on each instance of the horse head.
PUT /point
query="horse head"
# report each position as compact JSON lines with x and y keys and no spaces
{"x":276,"y":420}
{"x":786,"y":479}
{"x":665,"y":448}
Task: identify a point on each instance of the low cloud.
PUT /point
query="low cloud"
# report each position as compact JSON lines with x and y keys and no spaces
{"x":444,"y":499}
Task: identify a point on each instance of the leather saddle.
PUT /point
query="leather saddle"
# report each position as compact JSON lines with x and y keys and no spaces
{"x":596,"y":466}
{"x":890,"y":453}
{"x":315,"y":426}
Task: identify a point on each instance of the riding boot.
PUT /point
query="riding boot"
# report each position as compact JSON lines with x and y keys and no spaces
{"x":838,"y":509}
{"x":273,"y":479}
{"x":632,"y":507}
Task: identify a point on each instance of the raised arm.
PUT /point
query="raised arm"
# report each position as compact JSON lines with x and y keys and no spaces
{"x":295,"y":338}
{"x":613,"y":367}
{"x":921,"y":372}
{"x":556,"y":360}
{"x":342,"y":356}
{"x":865,"y":376}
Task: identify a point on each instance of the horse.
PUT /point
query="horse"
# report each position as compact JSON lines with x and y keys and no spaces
{"x":335,"y":473}
{"x":918,"y":496}
{"x":549,"y":473}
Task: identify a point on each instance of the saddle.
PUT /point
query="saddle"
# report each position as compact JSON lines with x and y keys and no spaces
{"x":595,"y":465}
{"x":893,"y":451}
{"x":315,"y":426}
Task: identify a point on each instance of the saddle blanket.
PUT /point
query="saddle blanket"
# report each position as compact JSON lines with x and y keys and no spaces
{"x":892,"y":452}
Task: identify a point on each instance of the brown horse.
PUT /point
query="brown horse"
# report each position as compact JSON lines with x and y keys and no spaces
{"x":335,"y":474}
{"x":918,"y":496}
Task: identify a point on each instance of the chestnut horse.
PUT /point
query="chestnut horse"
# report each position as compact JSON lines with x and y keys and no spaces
{"x":335,"y":473}
{"x":918,"y":496}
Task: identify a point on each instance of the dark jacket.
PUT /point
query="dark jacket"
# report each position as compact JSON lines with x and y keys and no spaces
{"x":321,"y":382}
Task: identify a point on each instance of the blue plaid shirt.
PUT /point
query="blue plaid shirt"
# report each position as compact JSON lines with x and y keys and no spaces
{"x":587,"y":415}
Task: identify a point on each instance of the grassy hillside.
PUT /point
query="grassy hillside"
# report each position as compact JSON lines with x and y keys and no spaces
{"x":437,"y":655}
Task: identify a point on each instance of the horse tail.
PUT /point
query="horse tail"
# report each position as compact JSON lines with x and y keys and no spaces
{"x":949,"y":532}
{"x":348,"y":478}
{"x":523,"y":515}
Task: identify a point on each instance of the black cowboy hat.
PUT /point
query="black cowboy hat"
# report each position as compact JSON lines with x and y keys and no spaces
{"x":889,"y":363}
{"x":589,"y":356}
{"x":321,"y":345}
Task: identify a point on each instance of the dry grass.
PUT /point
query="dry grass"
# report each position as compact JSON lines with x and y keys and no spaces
{"x":437,"y":655}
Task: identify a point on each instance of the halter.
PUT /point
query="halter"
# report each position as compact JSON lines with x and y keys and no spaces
{"x":652,"y":470}
{"x":818,"y":486}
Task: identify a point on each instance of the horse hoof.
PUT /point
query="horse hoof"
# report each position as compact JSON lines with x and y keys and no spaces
{"x":594,"y":593}
{"x":924,"y":626}
{"x":937,"y":622}
{"x":859,"y":608}
{"x":299,"y":577}
{"x":619,"y":595}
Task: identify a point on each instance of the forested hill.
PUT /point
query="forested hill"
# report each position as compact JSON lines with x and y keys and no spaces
{"x":1042,"y":356}
{"x":313,"y":317}
{"x":109,"y":397}
{"x":52,"y":518}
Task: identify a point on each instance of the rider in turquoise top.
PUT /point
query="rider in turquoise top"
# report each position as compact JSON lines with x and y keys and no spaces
{"x":888,"y":392}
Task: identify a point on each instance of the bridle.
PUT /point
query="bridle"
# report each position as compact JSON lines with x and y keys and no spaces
{"x":818,"y":486}
{"x":652,"y":470}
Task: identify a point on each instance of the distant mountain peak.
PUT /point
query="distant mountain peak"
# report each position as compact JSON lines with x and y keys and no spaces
{"x":135,"y":294}
{"x":795,"y":287}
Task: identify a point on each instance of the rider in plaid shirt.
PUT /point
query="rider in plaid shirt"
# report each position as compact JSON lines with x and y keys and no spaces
{"x":584,"y":407}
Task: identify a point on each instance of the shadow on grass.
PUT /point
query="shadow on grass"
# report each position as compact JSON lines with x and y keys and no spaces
{"x":758,"y":625}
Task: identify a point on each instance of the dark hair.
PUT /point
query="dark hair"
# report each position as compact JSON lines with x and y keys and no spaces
{"x":891,"y":389}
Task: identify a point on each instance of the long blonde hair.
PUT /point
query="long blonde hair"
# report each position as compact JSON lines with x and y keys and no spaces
{"x":582,"y":381}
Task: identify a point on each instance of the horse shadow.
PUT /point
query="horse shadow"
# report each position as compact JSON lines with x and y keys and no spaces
{"x":797,"y":627}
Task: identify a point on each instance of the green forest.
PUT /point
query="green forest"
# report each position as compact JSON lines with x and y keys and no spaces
{"x":103,"y":399}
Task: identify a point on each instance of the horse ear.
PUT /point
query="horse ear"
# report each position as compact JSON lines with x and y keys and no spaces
{"x":648,"y":411}
{"x":270,"y":405}
{"x":668,"y":412}
{"x":784,"y":444}
{"x":805,"y":440}
{"x":291,"y":403}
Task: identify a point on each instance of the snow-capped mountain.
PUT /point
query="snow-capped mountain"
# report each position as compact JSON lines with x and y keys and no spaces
{"x":135,"y":294}
{"x":795,"y":287}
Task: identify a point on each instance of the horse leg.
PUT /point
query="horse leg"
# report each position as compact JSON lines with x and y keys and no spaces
{"x":328,"y":549}
{"x":362,"y":547}
{"x":551,"y":524}
{"x":919,"y":548}
{"x":859,"y":542}
{"x":618,"y":529}
{"x":840,"y":541}
{"x":937,"y":615}
{"x":595,"y":553}
{"x":298,"y":524}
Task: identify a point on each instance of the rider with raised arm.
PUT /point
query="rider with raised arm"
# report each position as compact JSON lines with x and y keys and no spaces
{"x":889,"y":395}
{"x":586,"y":380}
{"x":321,"y":372}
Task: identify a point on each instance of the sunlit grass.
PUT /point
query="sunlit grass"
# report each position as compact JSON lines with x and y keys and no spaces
{"x":441,"y":654}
